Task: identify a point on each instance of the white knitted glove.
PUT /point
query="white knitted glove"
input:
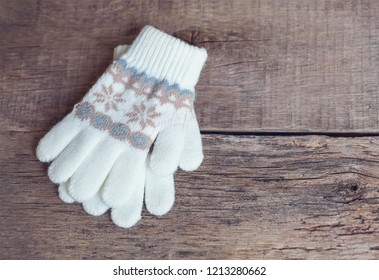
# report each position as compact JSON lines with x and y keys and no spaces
{"x":146,"y":94}
{"x":159,"y":189}
{"x":159,"y":198}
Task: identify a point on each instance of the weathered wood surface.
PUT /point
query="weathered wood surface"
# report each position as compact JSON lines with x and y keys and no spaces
{"x":276,"y":66}
{"x":300,"y":65}
{"x":254,"y":197}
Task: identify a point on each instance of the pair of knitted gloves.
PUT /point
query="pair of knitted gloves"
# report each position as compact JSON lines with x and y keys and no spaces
{"x":123,"y":142}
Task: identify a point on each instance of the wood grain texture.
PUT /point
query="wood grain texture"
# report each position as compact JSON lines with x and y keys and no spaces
{"x":254,"y":197}
{"x":273,"y":65}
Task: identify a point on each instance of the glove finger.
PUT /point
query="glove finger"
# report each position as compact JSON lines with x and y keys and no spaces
{"x":91,"y":174}
{"x":192,"y":155}
{"x":64,"y":166}
{"x":95,"y":206}
{"x":129,"y":214}
{"x":64,"y":194}
{"x":168,"y":148}
{"x":159,"y":193}
{"x":123,"y":178}
{"x":53,"y":143}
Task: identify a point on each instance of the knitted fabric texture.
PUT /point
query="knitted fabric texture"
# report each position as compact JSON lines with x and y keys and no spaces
{"x":99,"y":152}
{"x":107,"y":107}
{"x":159,"y":190}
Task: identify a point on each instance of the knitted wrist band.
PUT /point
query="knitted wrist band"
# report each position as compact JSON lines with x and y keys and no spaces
{"x":165,"y":57}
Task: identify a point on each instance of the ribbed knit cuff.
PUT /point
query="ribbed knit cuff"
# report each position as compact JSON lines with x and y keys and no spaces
{"x":165,"y":57}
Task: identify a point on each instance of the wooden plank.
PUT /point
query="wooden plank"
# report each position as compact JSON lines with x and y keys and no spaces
{"x":294,"y":66}
{"x":283,"y":66}
{"x":253,"y":197}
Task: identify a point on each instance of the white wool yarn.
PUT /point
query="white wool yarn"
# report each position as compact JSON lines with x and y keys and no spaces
{"x":100,"y":150}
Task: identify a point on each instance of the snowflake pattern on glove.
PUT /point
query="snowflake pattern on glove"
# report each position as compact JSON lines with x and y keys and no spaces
{"x":143,"y":115}
{"x":106,"y":107}
{"x":108,"y":97}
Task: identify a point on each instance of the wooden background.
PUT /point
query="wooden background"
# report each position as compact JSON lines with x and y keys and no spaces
{"x":288,"y":104}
